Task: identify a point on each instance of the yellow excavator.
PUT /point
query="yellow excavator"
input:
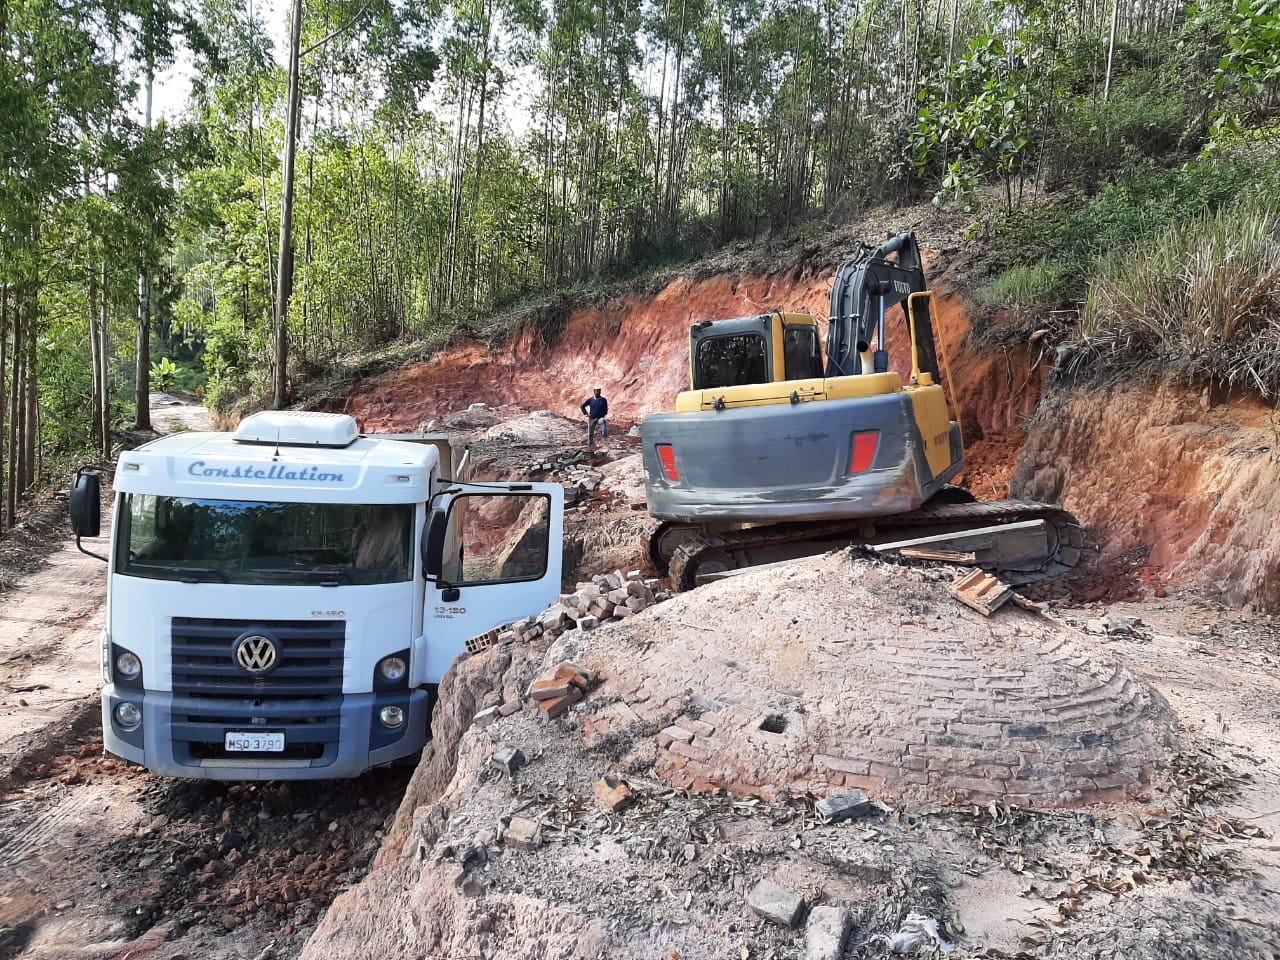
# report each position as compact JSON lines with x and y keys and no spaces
{"x":774,"y":454}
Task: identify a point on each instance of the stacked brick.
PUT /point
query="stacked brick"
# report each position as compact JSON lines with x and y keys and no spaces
{"x":604,"y":599}
{"x":560,"y":688}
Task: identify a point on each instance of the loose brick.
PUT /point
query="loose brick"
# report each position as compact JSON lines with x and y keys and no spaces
{"x":617,"y":597}
{"x":560,"y":705}
{"x":508,"y":758}
{"x":700,"y":727}
{"x":613,"y":793}
{"x":580,"y":677}
{"x":549,"y":689}
{"x":508,"y":708}
{"x":776,"y":904}
{"x":588,"y":623}
{"x":674,"y":734}
{"x":826,"y":932}
{"x":523,"y":833}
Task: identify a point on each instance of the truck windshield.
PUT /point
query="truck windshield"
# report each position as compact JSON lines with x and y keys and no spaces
{"x":244,"y":541}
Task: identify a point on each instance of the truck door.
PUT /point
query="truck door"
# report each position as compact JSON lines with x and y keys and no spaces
{"x":491,"y":554}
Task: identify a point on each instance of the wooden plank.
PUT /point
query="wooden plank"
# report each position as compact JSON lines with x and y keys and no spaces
{"x":942,"y":556}
{"x":981,"y":591}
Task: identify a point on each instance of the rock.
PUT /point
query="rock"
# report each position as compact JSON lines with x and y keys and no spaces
{"x":487,"y":716}
{"x":523,"y":833}
{"x":508,"y":758}
{"x":825,"y":933}
{"x":776,"y":904}
{"x":843,"y":806}
{"x":634,"y":431}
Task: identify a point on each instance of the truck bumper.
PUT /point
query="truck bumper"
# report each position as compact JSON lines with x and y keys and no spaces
{"x":169,"y":742}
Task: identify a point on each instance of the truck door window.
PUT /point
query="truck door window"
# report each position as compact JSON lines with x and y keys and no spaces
{"x":241,"y":541}
{"x":733,"y":360}
{"x":497,"y":539}
{"x":800,"y":353}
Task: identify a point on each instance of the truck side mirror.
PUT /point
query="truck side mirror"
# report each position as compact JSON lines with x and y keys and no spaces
{"x":433,"y":544}
{"x":86,"y":505}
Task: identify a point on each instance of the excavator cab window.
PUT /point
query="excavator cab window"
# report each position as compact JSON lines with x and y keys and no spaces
{"x":733,"y":360}
{"x":800,"y":353}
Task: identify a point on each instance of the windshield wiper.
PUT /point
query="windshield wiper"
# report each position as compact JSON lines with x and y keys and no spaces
{"x":324,"y":577}
{"x":198,"y":574}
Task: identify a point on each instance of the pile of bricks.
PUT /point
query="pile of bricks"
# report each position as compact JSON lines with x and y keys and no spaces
{"x":559,"y":689}
{"x":604,"y":599}
{"x":609,"y":597}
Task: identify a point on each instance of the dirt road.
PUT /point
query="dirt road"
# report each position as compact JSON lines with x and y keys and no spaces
{"x":102,"y":860}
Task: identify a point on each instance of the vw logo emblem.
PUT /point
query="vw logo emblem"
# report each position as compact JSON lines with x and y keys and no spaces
{"x":256,"y":653}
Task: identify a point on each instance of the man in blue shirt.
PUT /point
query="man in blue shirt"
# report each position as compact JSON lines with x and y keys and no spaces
{"x":596,"y":408}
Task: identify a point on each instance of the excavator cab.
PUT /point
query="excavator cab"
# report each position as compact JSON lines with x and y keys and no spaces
{"x":769,"y":348}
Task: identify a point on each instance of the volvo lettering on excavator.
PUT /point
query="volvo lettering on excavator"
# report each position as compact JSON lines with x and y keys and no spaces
{"x":775,"y":453}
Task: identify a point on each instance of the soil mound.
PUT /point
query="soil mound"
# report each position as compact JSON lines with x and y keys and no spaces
{"x":728,"y":710}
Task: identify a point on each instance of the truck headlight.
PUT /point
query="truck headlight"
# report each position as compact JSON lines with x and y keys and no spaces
{"x":392,"y":669}
{"x":128,"y":665}
{"x":128,"y":715}
{"x":391,"y":717}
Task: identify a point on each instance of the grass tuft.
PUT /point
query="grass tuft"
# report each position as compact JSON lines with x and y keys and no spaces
{"x":1202,"y":299}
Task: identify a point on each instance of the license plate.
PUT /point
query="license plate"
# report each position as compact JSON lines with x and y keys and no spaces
{"x":254,"y":741}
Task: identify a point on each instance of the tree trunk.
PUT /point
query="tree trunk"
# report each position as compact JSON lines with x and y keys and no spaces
{"x":284,"y":288}
{"x":142,"y":356}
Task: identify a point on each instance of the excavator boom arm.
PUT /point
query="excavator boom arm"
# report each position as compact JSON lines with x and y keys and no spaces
{"x":864,"y":289}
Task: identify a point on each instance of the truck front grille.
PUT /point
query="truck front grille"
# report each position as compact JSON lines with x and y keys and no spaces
{"x":212,"y":693}
{"x":204,"y":666}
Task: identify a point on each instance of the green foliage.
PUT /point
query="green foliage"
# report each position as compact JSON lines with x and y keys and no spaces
{"x":1246,"y":79}
{"x":1075,"y":232}
{"x":1200,"y":298}
{"x":164,"y":374}
{"x":1143,"y":123}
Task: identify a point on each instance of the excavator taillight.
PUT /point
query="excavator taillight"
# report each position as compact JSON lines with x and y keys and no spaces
{"x":668,"y":458}
{"x":864,"y":450}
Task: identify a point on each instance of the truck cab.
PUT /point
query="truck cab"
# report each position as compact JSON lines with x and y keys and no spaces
{"x":283,"y":601}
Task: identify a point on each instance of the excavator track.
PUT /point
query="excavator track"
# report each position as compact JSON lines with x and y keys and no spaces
{"x":705,"y":552}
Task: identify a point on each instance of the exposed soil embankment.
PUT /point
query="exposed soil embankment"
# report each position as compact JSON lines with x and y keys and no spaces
{"x":1187,"y":487}
{"x":1179,"y":488}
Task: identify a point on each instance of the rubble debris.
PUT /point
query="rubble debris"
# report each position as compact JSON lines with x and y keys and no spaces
{"x":508,"y":758}
{"x":845,"y":806}
{"x":614,"y":793}
{"x":916,"y":931}
{"x":826,"y":932}
{"x":776,"y":904}
{"x":523,"y":833}
{"x":981,"y":591}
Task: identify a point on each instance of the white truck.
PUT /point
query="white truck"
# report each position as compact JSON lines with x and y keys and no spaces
{"x":282,"y":601}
